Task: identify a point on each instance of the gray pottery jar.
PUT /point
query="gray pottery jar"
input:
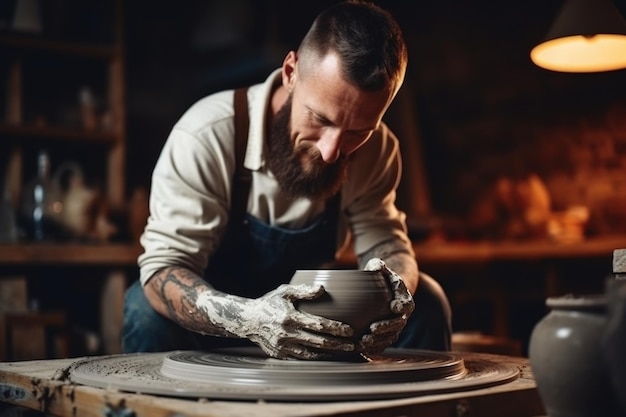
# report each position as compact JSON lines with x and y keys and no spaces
{"x":567,"y":360}
{"x":614,"y":338}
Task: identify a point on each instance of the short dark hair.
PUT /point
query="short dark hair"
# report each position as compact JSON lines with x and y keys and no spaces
{"x":367,"y":40}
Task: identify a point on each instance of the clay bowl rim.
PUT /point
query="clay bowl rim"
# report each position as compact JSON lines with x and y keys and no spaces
{"x":580,"y":301}
{"x":337,"y":272}
{"x":336,"y":277}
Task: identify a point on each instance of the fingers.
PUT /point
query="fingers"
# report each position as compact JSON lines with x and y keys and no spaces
{"x":311,"y":321}
{"x":382,"y":335}
{"x":394,"y":325}
{"x":375,"y":264}
{"x":402,"y":305}
{"x":306,"y":345}
{"x":402,"y":302}
{"x":370,"y":345}
{"x":285,"y":332}
{"x":324,"y":343}
{"x":300,"y":352}
{"x":301,"y":291}
{"x":322,"y":325}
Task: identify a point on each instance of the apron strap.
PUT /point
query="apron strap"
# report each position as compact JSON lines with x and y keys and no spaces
{"x":243,"y":177}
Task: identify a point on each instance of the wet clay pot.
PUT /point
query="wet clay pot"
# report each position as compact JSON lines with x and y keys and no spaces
{"x":355,"y":297}
{"x":566,"y":357}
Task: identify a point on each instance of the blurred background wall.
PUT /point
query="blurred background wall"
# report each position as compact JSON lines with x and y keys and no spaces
{"x":474,"y":110}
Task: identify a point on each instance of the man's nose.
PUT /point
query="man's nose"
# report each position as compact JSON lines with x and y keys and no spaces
{"x":329,"y":144}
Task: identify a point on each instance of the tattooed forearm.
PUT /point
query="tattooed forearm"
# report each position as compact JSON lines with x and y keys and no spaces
{"x":398,"y":258}
{"x":174,"y":292}
{"x":177,"y":289}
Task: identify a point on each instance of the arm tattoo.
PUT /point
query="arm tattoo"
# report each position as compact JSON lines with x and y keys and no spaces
{"x":178,"y":290}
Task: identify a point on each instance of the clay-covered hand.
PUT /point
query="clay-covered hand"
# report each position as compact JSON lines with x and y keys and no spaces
{"x":385,"y":332}
{"x":282,"y":331}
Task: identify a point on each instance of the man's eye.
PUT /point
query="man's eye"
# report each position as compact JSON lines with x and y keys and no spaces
{"x":322,"y":122}
{"x":317,"y":120}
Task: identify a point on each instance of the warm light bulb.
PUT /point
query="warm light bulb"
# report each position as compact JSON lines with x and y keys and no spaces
{"x":581,"y":53}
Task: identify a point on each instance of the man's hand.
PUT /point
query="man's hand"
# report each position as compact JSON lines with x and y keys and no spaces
{"x":282,"y":331}
{"x":384,"y":333}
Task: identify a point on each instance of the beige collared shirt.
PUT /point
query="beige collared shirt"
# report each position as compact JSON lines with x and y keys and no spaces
{"x":192,"y":182}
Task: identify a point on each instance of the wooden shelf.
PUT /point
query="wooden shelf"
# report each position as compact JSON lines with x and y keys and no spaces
{"x":36,"y":44}
{"x":477,"y":252}
{"x":57,"y":133}
{"x":29,"y":63}
{"x":453,"y":253}
{"x":69,"y":254}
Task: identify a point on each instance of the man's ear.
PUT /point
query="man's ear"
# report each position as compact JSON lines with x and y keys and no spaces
{"x":289,"y":70}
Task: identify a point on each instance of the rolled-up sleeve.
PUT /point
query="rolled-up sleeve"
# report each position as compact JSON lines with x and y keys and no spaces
{"x":370,"y":194}
{"x":189,"y":199}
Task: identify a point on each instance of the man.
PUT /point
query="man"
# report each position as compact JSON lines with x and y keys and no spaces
{"x":228,"y":226}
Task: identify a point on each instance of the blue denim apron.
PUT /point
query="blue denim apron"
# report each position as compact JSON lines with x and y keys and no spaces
{"x":255,"y":258}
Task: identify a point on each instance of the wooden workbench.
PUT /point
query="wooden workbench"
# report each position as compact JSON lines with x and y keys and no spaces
{"x":44,"y":386}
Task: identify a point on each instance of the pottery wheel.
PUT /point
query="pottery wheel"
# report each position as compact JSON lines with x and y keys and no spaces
{"x":248,"y":374}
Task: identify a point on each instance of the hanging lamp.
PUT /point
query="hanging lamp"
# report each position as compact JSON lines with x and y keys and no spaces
{"x":587,"y":36}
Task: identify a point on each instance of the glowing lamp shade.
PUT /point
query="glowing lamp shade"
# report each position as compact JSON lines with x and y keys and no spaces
{"x":587,"y":36}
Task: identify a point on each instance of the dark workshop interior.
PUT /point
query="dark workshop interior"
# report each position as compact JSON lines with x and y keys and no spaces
{"x":514,"y":176}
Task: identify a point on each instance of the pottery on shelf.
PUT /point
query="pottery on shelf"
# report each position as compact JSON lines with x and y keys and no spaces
{"x":568,"y":364}
{"x":356,"y":297}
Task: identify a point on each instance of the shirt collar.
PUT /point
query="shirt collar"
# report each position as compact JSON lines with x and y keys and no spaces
{"x":260,"y":104}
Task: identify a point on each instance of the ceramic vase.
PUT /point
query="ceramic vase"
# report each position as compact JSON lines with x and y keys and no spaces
{"x":567,"y":360}
{"x":614,"y":338}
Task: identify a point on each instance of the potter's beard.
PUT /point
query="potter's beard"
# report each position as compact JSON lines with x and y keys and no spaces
{"x":301,"y":171}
